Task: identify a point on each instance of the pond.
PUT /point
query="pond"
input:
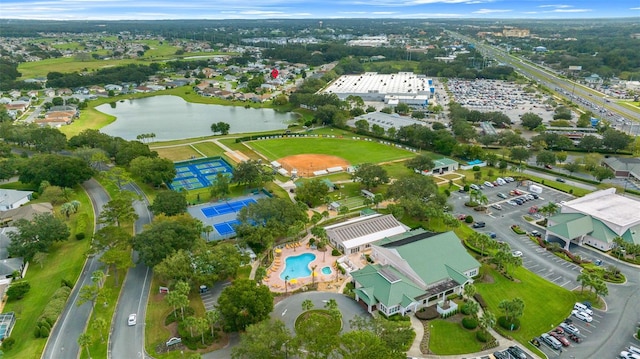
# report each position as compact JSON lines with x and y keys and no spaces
{"x":172,"y":118}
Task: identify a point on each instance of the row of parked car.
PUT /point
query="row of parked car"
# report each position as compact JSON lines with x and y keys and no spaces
{"x":566,"y":331}
{"x":487,"y":184}
{"x":631,"y":353}
{"x":510,"y":353}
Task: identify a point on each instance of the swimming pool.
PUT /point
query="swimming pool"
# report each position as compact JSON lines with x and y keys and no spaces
{"x":298,"y":266}
{"x":326,"y":270}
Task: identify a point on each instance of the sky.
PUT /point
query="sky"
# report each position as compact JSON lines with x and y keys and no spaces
{"x":314,"y":9}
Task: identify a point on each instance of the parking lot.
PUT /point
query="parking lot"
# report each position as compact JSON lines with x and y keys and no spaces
{"x":535,"y":258}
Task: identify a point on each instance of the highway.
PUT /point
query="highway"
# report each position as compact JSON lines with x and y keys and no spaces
{"x":63,"y":341}
{"x":551,"y":81}
{"x":128,"y":341}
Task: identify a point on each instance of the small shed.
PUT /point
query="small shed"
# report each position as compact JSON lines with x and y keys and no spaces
{"x":334,"y":206}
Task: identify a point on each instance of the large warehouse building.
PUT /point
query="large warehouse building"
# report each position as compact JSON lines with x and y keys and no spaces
{"x":596,"y":220}
{"x":403,"y":87}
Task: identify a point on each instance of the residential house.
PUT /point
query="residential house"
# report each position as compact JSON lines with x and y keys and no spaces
{"x":10,"y":198}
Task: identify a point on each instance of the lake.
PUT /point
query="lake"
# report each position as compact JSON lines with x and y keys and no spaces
{"x":172,"y":118}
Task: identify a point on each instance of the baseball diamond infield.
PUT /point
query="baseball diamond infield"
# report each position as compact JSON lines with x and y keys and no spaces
{"x":308,"y":163}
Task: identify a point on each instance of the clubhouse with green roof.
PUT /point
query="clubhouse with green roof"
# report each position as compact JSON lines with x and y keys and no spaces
{"x":596,"y":220}
{"x":413,"y":270}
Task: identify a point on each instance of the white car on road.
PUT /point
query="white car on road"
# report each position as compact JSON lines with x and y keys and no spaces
{"x":133,"y":319}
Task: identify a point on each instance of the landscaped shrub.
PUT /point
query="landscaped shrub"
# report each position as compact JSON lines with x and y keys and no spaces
{"x":468,"y":219}
{"x":36,"y":332}
{"x":55,"y":306}
{"x":517,"y":229}
{"x":638,"y":334}
{"x":18,"y":290}
{"x":475,"y":168}
{"x":470,"y":323}
{"x":483,"y":336}
{"x":66,"y":283}
{"x":509,"y":325}
{"x":7,"y":344}
{"x":480,"y":300}
{"x":176,"y":315}
{"x":44,"y":332}
{"x":335,"y":252}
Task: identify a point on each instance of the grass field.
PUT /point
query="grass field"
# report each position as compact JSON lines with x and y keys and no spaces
{"x":209,"y":148}
{"x":90,"y":118}
{"x":177,"y":153}
{"x":64,"y":261}
{"x":354,"y":151}
{"x":448,"y":338}
{"x":540,"y":313}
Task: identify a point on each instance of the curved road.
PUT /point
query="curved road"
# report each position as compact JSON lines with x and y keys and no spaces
{"x":63,"y":341}
{"x":126,"y":341}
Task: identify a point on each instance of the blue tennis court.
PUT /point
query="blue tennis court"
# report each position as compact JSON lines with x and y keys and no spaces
{"x":199,"y":173}
{"x":226,"y":228}
{"x":226,"y":208}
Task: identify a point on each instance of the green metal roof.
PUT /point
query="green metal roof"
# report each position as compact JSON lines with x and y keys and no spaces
{"x":571,"y":228}
{"x":632,"y":235}
{"x":375,"y":285}
{"x":430,"y":257}
{"x":602,"y":232}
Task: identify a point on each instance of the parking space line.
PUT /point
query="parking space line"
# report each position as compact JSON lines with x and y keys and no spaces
{"x":565,"y":283}
{"x":560,"y":277}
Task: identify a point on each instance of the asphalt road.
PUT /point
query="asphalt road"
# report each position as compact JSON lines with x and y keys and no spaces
{"x":128,"y":341}
{"x":63,"y":341}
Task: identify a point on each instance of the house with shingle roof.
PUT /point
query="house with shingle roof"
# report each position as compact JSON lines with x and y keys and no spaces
{"x":413,"y":270}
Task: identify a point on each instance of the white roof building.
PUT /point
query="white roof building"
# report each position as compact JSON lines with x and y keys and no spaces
{"x":405,"y":87}
{"x":356,"y":235}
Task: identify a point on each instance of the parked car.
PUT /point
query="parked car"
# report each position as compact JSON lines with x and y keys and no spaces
{"x":513,"y":203}
{"x":564,"y":341}
{"x":582,"y":308}
{"x":479,"y":225}
{"x":535,"y":196}
{"x":516,"y":254}
{"x":517,"y":192}
{"x":492,"y":235}
{"x":551,"y":341}
{"x":548,"y":167}
{"x":496,"y":206}
{"x":529,"y":197}
{"x":570,"y":328}
{"x":474,"y":186}
{"x":582,"y":316}
{"x":173,"y":341}
{"x":561,"y":180}
{"x":502,"y":195}
{"x":559,"y":330}
{"x":488,"y":184}
{"x":516,"y":352}
{"x":509,"y":179}
{"x":501,"y":355}
{"x":132,"y":320}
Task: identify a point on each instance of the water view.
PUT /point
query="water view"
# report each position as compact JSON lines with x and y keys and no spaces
{"x":172,"y":118}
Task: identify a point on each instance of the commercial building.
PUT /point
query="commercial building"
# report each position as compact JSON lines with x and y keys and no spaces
{"x":403,"y":87}
{"x":414,"y":270}
{"x":358,"y":234}
{"x":596,"y":220}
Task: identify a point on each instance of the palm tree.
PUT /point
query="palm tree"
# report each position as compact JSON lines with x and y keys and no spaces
{"x":307,"y":305}
{"x":207,"y":230}
{"x":472,"y":307}
{"x":313,"y":276}
{"x":213,"y":317}
{"x":469,"y":290}
{"x":98,"y":277}
{"x":84,"y":340}
{"x":585,"y":279}
{"x":99,"y":325}
{"x":488,"y":320}
{"x":190,"y":322}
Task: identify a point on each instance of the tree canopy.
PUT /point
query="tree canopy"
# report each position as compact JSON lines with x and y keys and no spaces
{"x":36,"y":236}
{"x":244,"y":303}
{"x":58,"y":170}
{"x":154,"y":171}
{"x":251,"y":173}
{"x":370,"y":175}
{"x":164,"y":236}
{"x":169,"y":203}
{"x":312,"y":192}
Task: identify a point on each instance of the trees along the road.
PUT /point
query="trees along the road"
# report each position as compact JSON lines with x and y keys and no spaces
{"x":164,"y":236}
{"x":119,"y":209}
{"x":169,"y":202}
{"x":266,"y":339}
{"x":58,"y":170}
{"x":244,"y":303}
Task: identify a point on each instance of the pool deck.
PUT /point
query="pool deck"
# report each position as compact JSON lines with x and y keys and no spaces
{"x":323,"y":259}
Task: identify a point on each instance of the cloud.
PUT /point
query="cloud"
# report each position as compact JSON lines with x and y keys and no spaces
{"x":571,"y":10}
{"x":556,"y":6}
{"x":490,"y":11}
{"x":634,"y":8}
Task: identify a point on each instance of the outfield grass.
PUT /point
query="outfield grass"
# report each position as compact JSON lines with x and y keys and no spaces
{"x":177,"y":153}
{"x":209,"y":148}
{"x":449,"y":338}
{"x":354,"y":151}
{"x":64,"y":261}
{"x":546,"y":304}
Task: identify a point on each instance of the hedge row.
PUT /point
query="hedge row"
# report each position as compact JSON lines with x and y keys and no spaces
{"x":52,"y":311}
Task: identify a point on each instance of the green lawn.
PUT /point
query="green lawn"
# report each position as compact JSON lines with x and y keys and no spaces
{"x":209,"y":148}
{"x":546,"y":304}
{"x":65,"y":261}
{"x":354,"y":151}
{"x":448,"y":338}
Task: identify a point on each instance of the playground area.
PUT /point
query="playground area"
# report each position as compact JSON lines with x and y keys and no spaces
{"x":199,"y":173}
{"x":223,"y":215}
